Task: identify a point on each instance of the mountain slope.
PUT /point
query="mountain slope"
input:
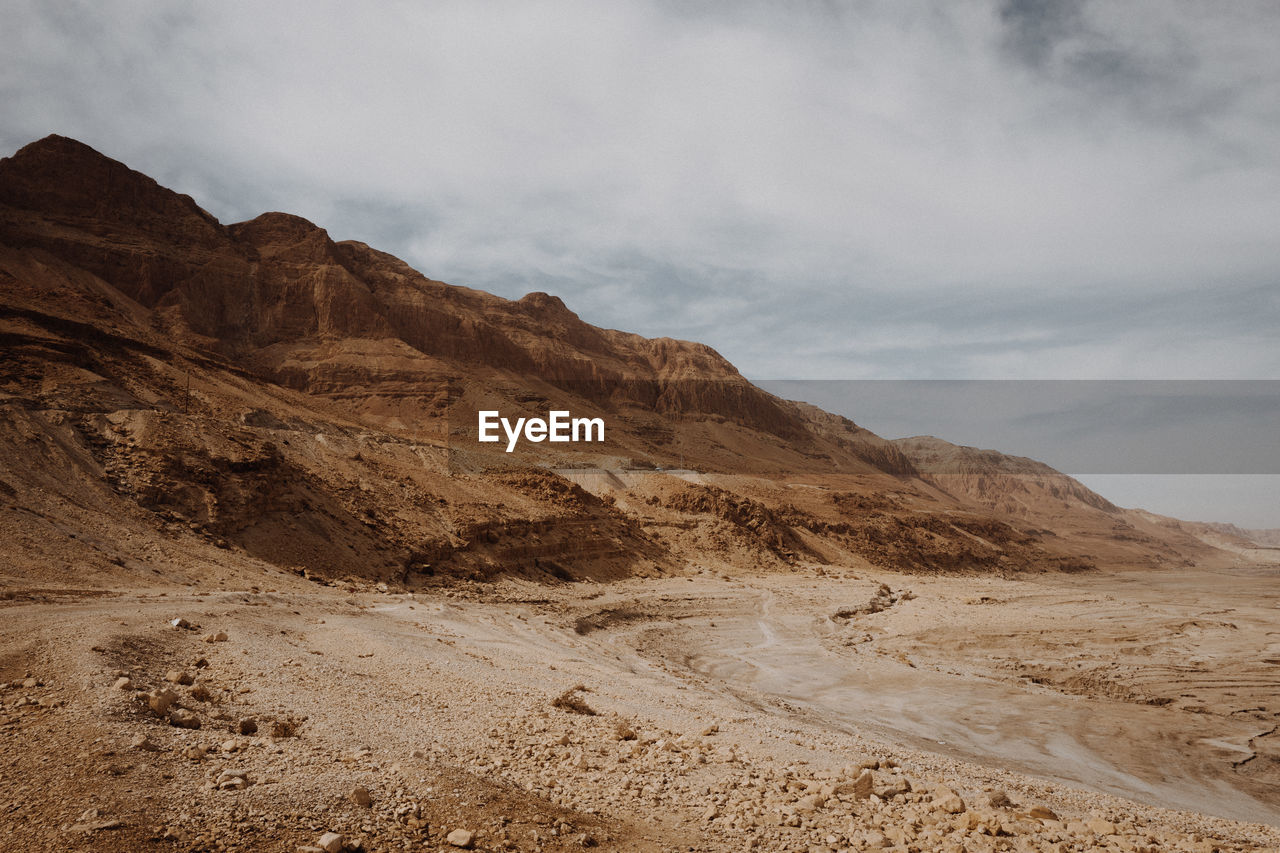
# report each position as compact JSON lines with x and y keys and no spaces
{"x":261,"y":392}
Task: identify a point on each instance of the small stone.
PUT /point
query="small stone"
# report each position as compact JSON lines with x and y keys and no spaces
{"x":201,"y":693}
{"x":893,"y":786}
{"x":183,"y":719}
{"x":160,"y":701}
{"x":281,"y":729}
{"x":360,"y":796}
{"x":123,"y":683}
{"x":30,"y":682}
{"x":876,"y":840}
{"x":330,"y":842}
{"x":178,"y":676}
{"x":143,"y":743}
{"x":947,"y":800}
{"x":860,"y":788}
{"x":1043,"y":813}
{"x":1101,"y":827}
{"x":180,"y":623}
{"x":233,"y":780}
{"x":810,"y":803}
{"x":999,"y":800}
{"x":195,"y":753}
{"x":417,"y":753}
{"x":247,"y":726}
{"x":463,"y":838}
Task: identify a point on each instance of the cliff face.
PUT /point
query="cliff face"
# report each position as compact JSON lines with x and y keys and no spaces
{"x":284,"y":300}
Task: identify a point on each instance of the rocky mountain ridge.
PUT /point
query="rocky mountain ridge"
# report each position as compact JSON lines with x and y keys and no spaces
{"x":260,"y":388}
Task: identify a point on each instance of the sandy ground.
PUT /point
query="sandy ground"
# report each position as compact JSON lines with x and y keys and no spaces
{"x":732,"y":714}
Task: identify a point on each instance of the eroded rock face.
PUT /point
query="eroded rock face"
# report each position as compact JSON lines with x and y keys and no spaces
{"x":279,"y":282}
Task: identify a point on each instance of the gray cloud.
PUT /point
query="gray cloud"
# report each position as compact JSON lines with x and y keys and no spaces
{"x":827,"y":175}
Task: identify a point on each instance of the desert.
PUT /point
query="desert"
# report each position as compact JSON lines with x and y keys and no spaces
{"x":264,"y":589}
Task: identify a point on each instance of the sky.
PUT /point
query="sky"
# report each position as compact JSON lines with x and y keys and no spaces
{"x":819,"y":190}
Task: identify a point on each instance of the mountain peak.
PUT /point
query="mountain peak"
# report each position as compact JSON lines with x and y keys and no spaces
{"x":65,"y":180}
{"x":62,"y":147}
{"x":547,"y":306}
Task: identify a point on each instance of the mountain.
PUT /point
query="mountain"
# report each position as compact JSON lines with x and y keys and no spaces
{"x":182,"y":396}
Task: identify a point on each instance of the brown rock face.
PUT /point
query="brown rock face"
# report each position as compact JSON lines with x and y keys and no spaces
{"x":272,"y":291}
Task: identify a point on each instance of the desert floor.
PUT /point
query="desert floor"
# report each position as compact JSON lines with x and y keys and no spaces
{"x":1111,"y":711}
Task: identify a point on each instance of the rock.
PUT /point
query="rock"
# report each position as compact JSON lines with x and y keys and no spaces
{"x":330,"y":842}
{"x":859,"y":788}
{"x":247,"y":726}
{"x":999,"y":800}
{"x":178,"y":676}
{"x":219,"y":637}
{"x":123,"y":683}
{"x":810,"y":803}
{"x":463,"y":838}
{"x":280,"y":729}
{"x":201,"y":693}
{"x":160,"y":701}
{"x":947,"y":800}
{"x":1043,"y":813}
{"x":180,"y":623}
{"x":195,"y":753}
{"x":183,"y":719}
{"x":30,"y":682}
{"x":711,"y":813}
{"x":1101,"y":827}
{"x":892,"y":786}
{"x":360,"y":796}
{"x":900,"y":835}
{"x":710,"y":730}
{"x":144,"y":743}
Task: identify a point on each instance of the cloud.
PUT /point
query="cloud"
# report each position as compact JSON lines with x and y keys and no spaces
{"x":831,"y":190}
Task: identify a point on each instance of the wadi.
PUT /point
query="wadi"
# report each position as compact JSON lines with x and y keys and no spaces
{"x":276,"y":575}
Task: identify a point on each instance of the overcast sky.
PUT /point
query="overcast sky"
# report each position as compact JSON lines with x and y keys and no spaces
{"x":819,"y":190}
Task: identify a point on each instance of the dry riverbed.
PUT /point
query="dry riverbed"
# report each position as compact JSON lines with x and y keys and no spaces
{"x":816,"y":710}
